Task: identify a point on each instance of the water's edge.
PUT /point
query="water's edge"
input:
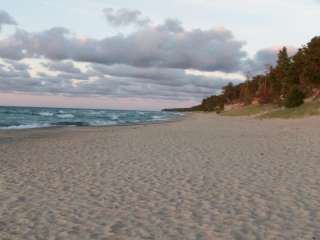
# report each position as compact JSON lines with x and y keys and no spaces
{"x":20,"y":118}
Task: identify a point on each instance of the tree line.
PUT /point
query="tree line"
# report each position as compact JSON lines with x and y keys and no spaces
{"x":288,"y":83}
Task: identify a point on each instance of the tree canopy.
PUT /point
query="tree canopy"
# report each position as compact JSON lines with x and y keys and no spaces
{"x":293,"y":78}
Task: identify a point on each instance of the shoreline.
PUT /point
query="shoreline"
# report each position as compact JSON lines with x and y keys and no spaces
{"x":205,"y":177}
{"x":173,"y":119}
{"x":9,"y":136}
{"x":38,"y":118}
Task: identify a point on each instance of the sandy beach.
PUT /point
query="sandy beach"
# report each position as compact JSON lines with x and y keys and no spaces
{"x":204,"y":177}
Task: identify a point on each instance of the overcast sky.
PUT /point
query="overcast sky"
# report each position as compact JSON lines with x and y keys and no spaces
{"x":139,"y":54}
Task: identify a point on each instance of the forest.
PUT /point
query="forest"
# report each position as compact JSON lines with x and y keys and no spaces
{"x":288,"y":83}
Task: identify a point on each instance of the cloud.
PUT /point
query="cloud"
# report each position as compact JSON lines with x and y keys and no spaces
{"x":261,"y":61}
{"x":155,"y":61}
{"x":118,"y":81}
{"x":6,"y":19}
{"x":167,"y":45}
{"x":171,"y":25}
{"x":265,"y":58}
{"x":17,"y":66}
{"x":161,"y":76}
{"x":67,"y":67}
{"x":125,"y":17}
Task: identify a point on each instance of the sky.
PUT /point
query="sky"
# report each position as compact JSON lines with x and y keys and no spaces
{"x":141,"y":54}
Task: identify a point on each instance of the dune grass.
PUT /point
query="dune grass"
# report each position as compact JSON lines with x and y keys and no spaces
{"x":305,"y":110}
{"x":272,"y":111}
{"x":249,"y":110}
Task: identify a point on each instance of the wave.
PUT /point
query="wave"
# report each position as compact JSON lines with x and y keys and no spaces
{"x":159,"y":117}
{"x":76,"y":124}
{"x":103,"y":123}
{"x":46,"y":114}
{"x":114,"y":116}
{"x":24,"y":117}
{"x":26,"y":126}
{"x":66,"y":115}
{"x":95,"y":112}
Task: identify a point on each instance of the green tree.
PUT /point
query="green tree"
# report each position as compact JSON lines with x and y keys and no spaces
{"x":275,"y":86}
{"x":291,"y":79}
{"x":282,"y":71}
{"x":311,"y":63}
{"x":295,"y":98}
{"x":231,"y":92}
{"x":297,"y":68}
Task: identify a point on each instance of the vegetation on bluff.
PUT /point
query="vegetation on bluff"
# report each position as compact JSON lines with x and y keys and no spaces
{"x":285,"y":85}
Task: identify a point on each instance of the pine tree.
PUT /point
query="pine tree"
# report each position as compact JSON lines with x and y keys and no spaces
{"x":275,"y":84}
{"x":288,"y":83}
{"x":230,"y":92}
{"x":296,"y":69}
{"x":283,"y":70}
{"x":311,"y":66}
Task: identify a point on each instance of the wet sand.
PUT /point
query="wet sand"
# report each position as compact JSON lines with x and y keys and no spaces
{"x":205,"y":177}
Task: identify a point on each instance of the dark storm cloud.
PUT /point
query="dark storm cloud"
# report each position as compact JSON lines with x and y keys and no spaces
{"x":125,"y":17}
{"x":6,"y":19}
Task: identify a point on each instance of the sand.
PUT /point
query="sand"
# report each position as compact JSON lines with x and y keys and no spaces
{"x":205,"y":177}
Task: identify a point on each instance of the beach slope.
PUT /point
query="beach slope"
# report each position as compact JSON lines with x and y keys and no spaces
{"x":205,"y":177}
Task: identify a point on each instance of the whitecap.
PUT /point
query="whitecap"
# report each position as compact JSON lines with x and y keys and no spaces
{"x":98,"y":123}
{"x":26,"y":126}
{"x":158,"y":117}
{"x":65,"y":115}
{"x":114,"y":117}
{"x":46,"y":114}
